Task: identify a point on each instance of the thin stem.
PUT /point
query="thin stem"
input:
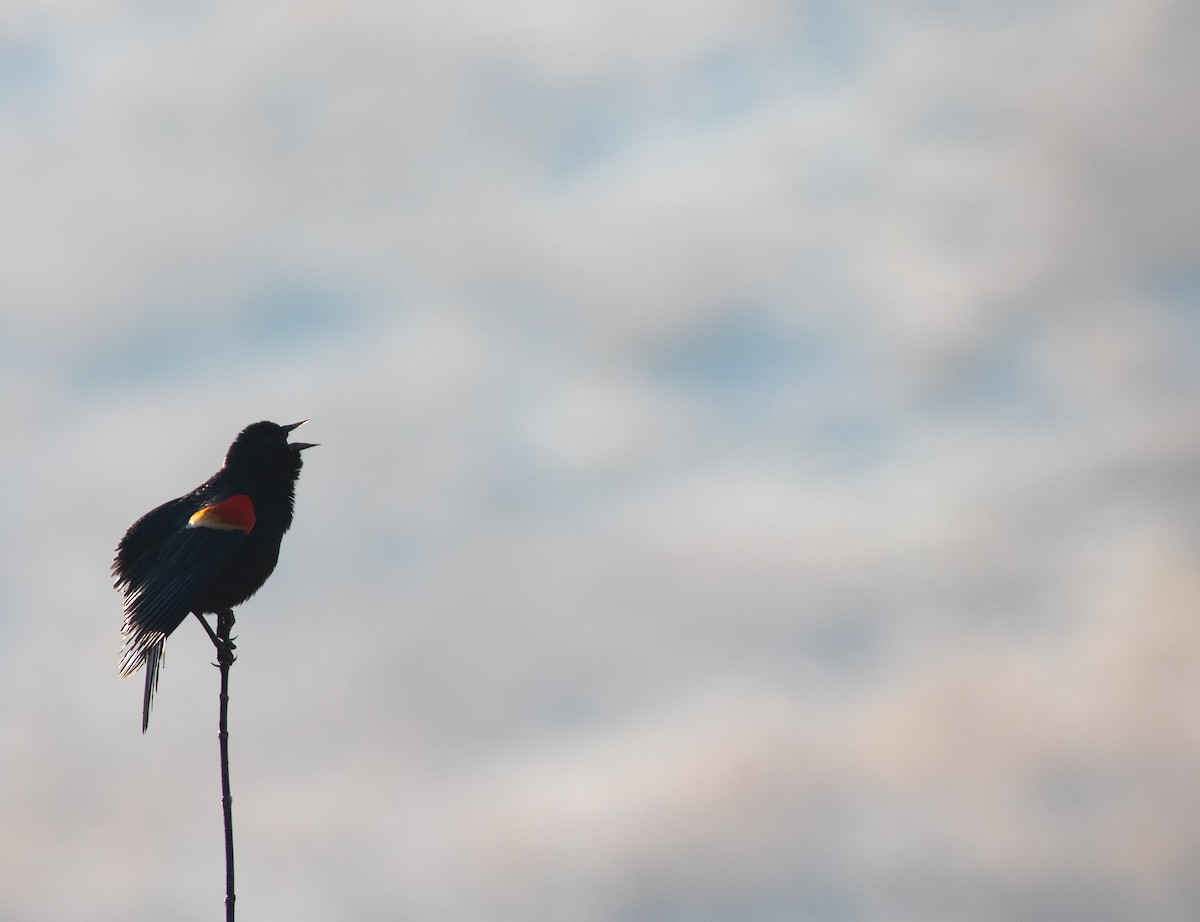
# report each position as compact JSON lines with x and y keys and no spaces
{"x":225,"y":659}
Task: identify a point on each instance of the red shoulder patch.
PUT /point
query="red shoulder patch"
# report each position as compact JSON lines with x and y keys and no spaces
{"x":233,"y":514}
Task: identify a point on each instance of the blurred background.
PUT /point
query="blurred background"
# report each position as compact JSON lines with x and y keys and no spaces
{"x":759,"y":468}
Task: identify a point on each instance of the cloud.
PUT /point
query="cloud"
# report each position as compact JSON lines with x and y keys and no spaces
{"x":756,"y":455}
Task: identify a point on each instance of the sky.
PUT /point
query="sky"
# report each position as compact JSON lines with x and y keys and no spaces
{"x":758,"y":468}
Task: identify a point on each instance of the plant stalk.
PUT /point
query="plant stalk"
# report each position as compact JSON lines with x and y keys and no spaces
{"x":225,"y":659}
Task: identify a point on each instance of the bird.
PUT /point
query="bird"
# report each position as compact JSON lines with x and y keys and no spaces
{"x":208,"y":550}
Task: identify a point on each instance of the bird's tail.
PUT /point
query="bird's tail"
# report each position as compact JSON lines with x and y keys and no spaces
{"x":153,"y":659}
{"x":148,"y":651}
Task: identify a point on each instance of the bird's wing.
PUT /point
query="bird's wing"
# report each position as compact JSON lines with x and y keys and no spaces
{"x":165,"y":564}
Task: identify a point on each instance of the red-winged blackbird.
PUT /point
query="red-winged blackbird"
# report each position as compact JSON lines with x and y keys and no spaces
{"x":207,"y":551}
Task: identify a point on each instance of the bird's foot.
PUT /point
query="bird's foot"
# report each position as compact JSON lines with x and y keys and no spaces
{"x":221,"y":637}
{"x":225,"y":644}
{"x":225,"y":647}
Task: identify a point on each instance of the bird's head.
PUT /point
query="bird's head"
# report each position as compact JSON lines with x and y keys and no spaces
{"x":263,"y":448}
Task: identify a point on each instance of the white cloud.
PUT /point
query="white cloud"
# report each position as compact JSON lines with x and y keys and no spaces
{"x":756,"y":451}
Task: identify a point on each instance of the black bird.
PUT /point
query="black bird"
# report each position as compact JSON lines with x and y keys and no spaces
{"x":207,"y":551}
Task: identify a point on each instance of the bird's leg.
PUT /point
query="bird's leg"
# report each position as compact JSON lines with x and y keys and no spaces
{"x":212,"y":635}
{"x":221,"y":637}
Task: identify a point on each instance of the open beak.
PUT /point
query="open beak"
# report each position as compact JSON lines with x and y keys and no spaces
{"x":298,"y":446}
